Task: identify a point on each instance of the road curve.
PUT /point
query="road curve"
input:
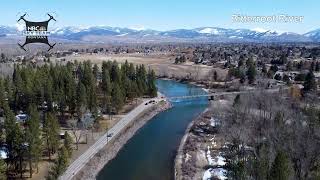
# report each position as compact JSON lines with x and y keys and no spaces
{"x":82,"y":160}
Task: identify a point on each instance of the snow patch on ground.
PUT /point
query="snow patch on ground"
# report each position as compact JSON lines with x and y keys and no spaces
{"x":209,"y":157}
{"x":213,"y":142}
{"x":219,"y":161}
{"x":207,"y":175}
{"x":206,"y":90}
{"x":214,"y":122}
{"x":188,"y":156}
{"x":218,"y":173}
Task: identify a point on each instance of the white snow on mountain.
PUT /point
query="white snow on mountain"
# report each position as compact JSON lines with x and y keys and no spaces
{"x":138,"y":28}
{"x":260,"y":30}
{"x":233,"y":37}
{"x":124,"y":34}
{"x":209,"y":31}
{"x":68,"y":29}
{"x":20,"y":27}
{"x":313,"y":33}
{"x":203,"y":34}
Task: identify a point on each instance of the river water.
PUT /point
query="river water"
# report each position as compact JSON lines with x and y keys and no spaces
{"x":150,"y":153}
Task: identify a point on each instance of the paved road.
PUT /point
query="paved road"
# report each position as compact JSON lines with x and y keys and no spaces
{"x":81,"y":161}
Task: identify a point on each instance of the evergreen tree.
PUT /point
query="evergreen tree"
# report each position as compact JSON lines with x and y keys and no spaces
{"x":3,"y":170}
{"x":242,"y":77}
{"x":92,"y":98}
{"x":215,"y":75}
{"x":124,"y":70}
{"x":251,"y":73}
{"x":3,"y":57}
{"x":48,"y":91}
{"x":14,"y":139}
{"x":81,"y":99}
{"x":141,"y":79}
{"x":51,"y":129}
{"x":240,"y":62}
{"x":236,"y":100}
{"x":117,"y":97}
{"x":310,"y":82}
{"x":115,"y":73}
{"x":33,"y":133}
{"x":281,"y":167}
{"x":70,"y":91}
{"x":95,"y":72}
{"x":261,"y":169}
{"x":106,"y":82}
{"x":60,"y":164}
{"x":250,"y":61}
{"x":133,"y":88}
{"x":239,"y":171}
{"x":132,"y":72}
{"x":68,"y":143}
{"x":152,"y":89}
{"x":261,"y":164}
{"x":106,"y":87}
{"x":90,"y":86}
{"x":277,"y":77}
{"x":274,"y":68}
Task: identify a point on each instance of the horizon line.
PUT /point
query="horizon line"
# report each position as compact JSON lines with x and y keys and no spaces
{"x":142,"y":28}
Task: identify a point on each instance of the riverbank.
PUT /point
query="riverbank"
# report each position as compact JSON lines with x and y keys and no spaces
{"x":178,"y":173}
{"x":200,"y":153}
{"x":107,"y":153}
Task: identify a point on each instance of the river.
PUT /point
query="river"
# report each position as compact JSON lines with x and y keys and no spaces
{"x":150,"y":153}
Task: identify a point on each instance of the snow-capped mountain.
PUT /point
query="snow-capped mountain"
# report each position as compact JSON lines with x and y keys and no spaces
{"x":314,"y":35}
{"x":203,"y":34}
{"x":7,"y":31}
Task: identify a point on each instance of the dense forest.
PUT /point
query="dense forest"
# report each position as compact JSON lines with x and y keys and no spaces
{"x":49,"y":96}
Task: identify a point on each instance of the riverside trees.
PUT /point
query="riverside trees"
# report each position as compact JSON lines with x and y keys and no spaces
{"x":272,"y":136}
{"x":50,"y":95}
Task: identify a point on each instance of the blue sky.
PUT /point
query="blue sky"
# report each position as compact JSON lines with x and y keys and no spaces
{"x":164,"y":14}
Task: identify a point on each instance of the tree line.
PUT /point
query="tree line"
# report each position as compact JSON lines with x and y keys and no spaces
{"x":51,"y":94}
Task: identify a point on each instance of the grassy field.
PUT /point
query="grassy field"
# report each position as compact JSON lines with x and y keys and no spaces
{"x":162,"y":65}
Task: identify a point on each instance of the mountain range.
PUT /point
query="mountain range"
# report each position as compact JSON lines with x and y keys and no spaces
{"x":203,"y":34}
